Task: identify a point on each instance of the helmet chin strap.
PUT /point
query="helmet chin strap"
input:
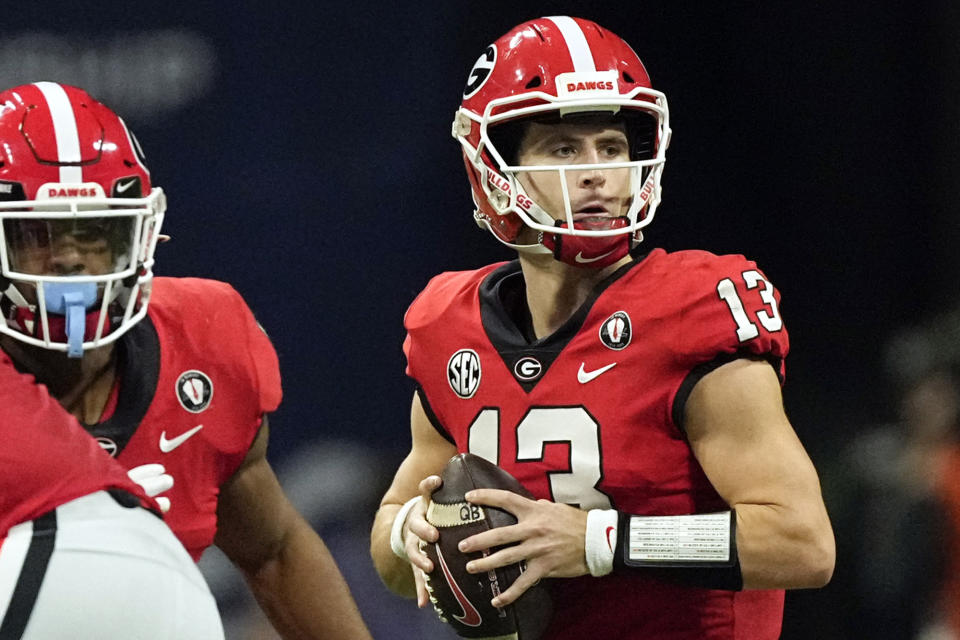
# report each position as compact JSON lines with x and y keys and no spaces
{"x":589,"y":252}
{"x":71,"y":300}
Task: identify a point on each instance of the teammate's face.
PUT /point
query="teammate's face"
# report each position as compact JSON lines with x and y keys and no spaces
{"x":594,"y":193}
{"x":59,"y":247}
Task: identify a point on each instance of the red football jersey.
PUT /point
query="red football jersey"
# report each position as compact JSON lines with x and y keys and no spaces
{"x":196,"y":376}
{"x":592,"y":415}
{"x":46,"y":459}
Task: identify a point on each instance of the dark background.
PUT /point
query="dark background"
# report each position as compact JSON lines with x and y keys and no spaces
{"x":307,"y":159}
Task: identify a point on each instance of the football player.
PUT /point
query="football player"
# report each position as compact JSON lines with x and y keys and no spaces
{"x":79,"y":557}
{"x":635,"y":392}
{"x":173,"y":376}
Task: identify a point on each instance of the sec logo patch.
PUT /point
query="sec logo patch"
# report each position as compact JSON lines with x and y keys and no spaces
{"x":463,"y":372}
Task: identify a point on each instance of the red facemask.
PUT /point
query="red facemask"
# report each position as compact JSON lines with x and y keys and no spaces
{"x":58,"y":324}
{"x":589,"y":252}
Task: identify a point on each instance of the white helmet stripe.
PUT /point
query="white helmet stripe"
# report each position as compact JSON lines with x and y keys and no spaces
{"x":576,"y":43}
{"x":65,"y":130}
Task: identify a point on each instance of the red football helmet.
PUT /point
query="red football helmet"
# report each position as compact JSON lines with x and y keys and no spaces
{"x":80,"y":221}
{"x":558,"y":69}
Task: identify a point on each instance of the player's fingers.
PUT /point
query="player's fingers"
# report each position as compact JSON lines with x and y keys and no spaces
{"x":162,"y":483}
{"x":423,"y":598}
{"x":418,"y":526}
{"x":502,"y":558}
{"x":416,"y":555}
{"x":137,"y":474}
{"x":428,"y":485}
{"x":507,"y":500}
{"x":526,"y":580}
{"x":492,"y":538}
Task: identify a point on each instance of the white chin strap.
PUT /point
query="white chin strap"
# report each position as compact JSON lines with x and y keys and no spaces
{"x":531,"y":249}
{"x":13,"y":293}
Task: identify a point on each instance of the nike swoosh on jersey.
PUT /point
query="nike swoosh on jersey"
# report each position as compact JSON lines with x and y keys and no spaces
{"x":609,"y":542}
{"x":471,"y":617}
{"x":579,"y":257}
{"x":169,"y":445}
{"x":585,"y":376}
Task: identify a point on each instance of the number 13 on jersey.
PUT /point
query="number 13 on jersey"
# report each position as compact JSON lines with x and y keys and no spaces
{"x":573,"y":427}
{"x":769,"y":317}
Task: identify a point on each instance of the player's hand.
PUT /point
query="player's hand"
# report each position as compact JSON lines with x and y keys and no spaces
{"x":155,"y":480}
{"x":417,"y":529}
{"x":550,"y":538}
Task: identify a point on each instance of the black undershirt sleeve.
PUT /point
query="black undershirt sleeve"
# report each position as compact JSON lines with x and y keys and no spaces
{"x":699,"y":371}
{"x":433,"y":417}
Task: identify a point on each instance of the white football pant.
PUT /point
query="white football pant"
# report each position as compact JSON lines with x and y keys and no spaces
{"x":95,"y":570}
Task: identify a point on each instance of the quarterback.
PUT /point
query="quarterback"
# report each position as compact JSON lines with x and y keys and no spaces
{"x":634,"y":392}
{"x":172,"y":376}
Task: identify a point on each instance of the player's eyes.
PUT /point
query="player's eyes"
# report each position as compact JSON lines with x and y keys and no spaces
{"x":614,"y":150}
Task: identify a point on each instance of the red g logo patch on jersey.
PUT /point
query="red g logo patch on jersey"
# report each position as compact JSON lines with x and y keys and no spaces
{"x":194,"y":390}
{"x":616,"y":331}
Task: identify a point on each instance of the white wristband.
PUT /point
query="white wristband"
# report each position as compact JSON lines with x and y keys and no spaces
{"x":600,"y":540}
{"x":396,"y":532}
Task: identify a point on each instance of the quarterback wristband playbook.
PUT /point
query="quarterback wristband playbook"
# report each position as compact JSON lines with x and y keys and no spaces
{"x":396,"y":531}
{"x":697,"y":550}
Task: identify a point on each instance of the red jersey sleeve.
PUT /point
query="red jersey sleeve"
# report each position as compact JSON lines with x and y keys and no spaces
{"x":47,"y":458}
{"x":732,"y":308}
{"x":729,"y":310}
{"x":443,"y":292}
{"x":264,"y":362}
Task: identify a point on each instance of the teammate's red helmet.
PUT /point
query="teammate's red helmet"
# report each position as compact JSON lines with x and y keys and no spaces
{"x":74,"y":192}
{"x":552,"y":68}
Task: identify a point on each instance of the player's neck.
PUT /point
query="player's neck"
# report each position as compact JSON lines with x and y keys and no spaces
{"x":81,"y":385}
{"x":556,"y":290}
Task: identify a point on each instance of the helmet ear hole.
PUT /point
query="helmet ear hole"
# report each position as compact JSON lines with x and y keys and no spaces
{"x":535,"y":82}
{"x":628,"y":78}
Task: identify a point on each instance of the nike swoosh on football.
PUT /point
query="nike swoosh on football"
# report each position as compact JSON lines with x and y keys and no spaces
{"x":169,"y":445}
{"x":585,"y":376}
{"x":123,"y":187}
{"x":579,"y":257}
{"x":471,"y":617}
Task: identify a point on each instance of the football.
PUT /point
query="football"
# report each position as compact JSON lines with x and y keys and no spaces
{"x":462,"y":599}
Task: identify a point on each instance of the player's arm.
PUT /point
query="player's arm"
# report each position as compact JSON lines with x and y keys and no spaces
{"x":288,"y":567}
{"x":738,"y":431}
{"x":740,"y":435}
{"x":416,"y":476}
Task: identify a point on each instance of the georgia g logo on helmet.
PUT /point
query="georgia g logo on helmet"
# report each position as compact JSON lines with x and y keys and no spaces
{"x":481,"y":71}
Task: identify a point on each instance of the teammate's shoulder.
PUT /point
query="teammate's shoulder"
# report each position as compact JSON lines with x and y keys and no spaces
{"x":445,"y":291}
{"x":192,"y":291}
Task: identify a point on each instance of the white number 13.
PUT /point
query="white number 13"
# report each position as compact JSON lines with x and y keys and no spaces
{"x":746,"y":329}
{"x":572,"y":426}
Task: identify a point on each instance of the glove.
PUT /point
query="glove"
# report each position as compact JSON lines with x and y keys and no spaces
{"x":155,"y":480}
